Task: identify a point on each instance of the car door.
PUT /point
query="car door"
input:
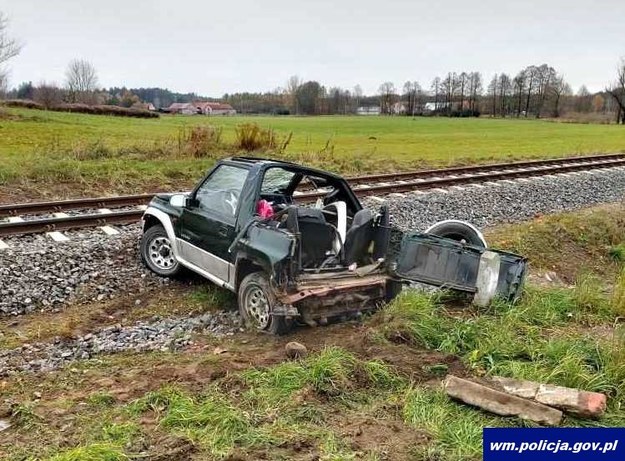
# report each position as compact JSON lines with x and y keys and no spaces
{"x":207,"y":223}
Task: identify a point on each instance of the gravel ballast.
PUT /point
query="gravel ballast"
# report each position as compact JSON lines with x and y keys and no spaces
{"x":160,"y":335}
{"x":37,"y":273}
{"x":505,"y":201}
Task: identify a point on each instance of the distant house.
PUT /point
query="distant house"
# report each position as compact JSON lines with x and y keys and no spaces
{"x":214,"y":108}
{"x":368,"y":110}
{"x":183,"y":108}
{"x":143,"y":106}
{"x":433,"y":106}
{"x":398,"y":108}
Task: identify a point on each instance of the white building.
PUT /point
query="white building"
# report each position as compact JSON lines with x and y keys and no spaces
{"x":214,"y":108}
{"x":368,"y":110}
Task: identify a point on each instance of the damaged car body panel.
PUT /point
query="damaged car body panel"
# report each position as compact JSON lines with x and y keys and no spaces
{"x":243,"y":228}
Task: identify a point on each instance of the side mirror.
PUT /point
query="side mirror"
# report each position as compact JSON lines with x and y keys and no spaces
{"x":178,"y":200}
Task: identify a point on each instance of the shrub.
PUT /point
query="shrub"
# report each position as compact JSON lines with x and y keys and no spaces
{"x":617,"y":252}
{"x":251,"y":137}
{"x":105,"y":110}
{"x":23,"y":103}
{"x":199,"y":141}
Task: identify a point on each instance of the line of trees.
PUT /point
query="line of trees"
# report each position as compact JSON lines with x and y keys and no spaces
{"x":535,"y":91}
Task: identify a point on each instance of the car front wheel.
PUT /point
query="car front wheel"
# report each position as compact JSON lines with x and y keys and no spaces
{"x":157,"y":253}
{"x":256,"y":303}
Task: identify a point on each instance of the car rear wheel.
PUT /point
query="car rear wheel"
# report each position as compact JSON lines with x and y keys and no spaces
{"x":459,"y":231}
{"x":157,"y":253}
{"x":256,"y":303}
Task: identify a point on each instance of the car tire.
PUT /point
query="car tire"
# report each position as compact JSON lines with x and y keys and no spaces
{"x":256,"y":303}
{"x":459,"y":231}
{"x":157,"y":253}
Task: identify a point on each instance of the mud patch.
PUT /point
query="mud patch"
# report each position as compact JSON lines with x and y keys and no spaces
{"x":387,"y":439}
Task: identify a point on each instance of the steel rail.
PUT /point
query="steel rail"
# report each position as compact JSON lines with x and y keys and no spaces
{"x":70,"y":222}
{"x":432,"y":183}
{"x":468,"y":169}
{"x":141,"y":199}
{"x":503,"y":171}
{"x":75,"y":204}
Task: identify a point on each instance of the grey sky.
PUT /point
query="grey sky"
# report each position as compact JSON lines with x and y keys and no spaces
{"x":213,"y":47}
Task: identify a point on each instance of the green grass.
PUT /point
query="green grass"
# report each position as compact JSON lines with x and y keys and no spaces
{"x":130,"y":153}
{"x":573,"y":243}
{"x":544,"y":338}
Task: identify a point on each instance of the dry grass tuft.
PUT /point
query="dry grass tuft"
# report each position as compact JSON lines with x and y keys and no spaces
{"x":251,"y":137}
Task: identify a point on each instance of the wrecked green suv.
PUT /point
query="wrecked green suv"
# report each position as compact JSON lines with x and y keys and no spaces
{"x":249,"y":226}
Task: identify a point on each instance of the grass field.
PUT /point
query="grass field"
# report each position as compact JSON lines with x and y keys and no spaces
{"x":87,"y":152}
{"x":367,"y":391}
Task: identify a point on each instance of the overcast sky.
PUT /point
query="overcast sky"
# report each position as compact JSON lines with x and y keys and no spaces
{"x":214,"y":47}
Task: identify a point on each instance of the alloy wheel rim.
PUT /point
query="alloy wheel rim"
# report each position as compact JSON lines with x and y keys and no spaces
{"x":160,"y":253}
{"x":257,"y":307}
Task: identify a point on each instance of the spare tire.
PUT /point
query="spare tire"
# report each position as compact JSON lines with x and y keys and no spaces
{"x":458,"y":230}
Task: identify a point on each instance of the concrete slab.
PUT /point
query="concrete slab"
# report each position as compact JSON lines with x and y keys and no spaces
{"x":57,"y":236}
{"x":108,"y":230}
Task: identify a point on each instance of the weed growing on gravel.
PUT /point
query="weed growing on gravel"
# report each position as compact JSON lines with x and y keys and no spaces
{"x":24,"y":415}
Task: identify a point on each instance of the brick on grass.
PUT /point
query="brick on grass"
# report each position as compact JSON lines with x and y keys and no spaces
{"x":577,"y":402}
{"x":499,"y":402}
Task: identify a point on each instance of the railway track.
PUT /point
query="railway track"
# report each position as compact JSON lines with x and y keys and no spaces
{"x":23,"y":218}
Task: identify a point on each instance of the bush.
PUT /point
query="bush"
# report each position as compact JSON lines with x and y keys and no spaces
{"x":82,"y":108}
{"x":199,"y":141}
{"x":105,"y":110}
{"x":251,"y":137}
{"x":23,"y":103}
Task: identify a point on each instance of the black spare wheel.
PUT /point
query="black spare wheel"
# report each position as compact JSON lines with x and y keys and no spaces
{"x":459,"y":231}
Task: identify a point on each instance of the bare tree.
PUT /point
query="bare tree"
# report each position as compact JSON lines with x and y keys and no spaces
{"x":617,"y":91}
{"x":82,"y":81}
{"x":475,"y":90}
{"x":462,"y":83}
{"x":519,"y":86}
{"x":49,"y":95}
{"x":505,"y":91}
{"x":435,"y":89}
{"x":545,"y":76}
{"x":292,"y":85}
{"x":358,"y":93}
{"x":559,"y":88}
{"x":493,"y":87}
{"x":387,"y":93}
{"x":9,"y":48}
{"x":412,"y":93}
{"x":583,"y":100}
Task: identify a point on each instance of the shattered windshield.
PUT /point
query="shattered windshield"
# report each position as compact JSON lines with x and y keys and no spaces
{"x":276,"y":180}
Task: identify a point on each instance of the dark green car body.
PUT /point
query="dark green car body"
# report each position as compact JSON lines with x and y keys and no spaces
{"x":321,"y":261}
